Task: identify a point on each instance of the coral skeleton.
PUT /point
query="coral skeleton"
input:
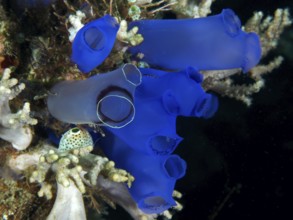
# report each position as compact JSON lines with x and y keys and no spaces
{"x":69,"y":199}
{"x":68,"y":166}
{"x":129,"y":36}
{"x":76,"y":24}
{"x":73,"y":170}
{"x":269,"y":29}
{"x":193,"y":10}
{"x":14,"y":126}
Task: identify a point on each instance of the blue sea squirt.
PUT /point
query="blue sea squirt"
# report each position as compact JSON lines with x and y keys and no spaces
{"x":139,"y":107}
{"x":144,"y":146}
{"x":94,"y":42}
{"x":160,"y":98}
{"x":155,"y":176}
{"x":105,"y":99}
{"x":211,"y":43}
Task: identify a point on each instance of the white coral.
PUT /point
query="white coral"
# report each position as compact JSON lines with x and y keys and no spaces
{"x":193,"y":9}
{"x":129,"y":36}
{"x":76,"y":22}
{"x":74,"y":170}
{"x":14,"y":126}
{"x":68,"y":204}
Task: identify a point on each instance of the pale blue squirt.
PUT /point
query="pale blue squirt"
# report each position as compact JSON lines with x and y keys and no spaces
{"x":103,"y":99}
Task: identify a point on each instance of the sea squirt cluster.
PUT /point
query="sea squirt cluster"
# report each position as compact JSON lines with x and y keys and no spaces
{"x":139,"y":107}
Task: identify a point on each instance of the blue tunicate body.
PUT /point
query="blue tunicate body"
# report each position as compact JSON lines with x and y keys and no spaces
{"x":159,"y":100}
{"x":105,"y":99}
{"x":144,"y":146}
{"x":211,"y":43}
{"x":155,"y":177}
{"x":94,"y":42}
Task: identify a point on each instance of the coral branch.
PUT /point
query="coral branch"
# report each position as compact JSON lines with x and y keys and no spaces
{"x":68,"y":204}
{"x":270,"y":28}
{"x":131,"y":36}
{"x":14,"y":126}
{"x":258,"y":71}
{"x":194,"y":10}
{"x":74,"y":169}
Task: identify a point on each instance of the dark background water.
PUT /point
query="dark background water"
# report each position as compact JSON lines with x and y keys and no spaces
{"x":240,"y":162}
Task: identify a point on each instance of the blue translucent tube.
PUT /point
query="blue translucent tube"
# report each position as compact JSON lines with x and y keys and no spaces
{"x":94,"y":42}
{"x":211,"y":43}
{"x":181,"y":92}
{"x":105,"y":99}
{"x":159,"y":100}
{"x":155,"y":176}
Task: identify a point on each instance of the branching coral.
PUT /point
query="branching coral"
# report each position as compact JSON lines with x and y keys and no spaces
{"x":14,"y":126}
{"x":269,"y":30}
{"x":73,"y":169}
{"x":196,"y":10}
{"x":70,"y":181}
{"x":129,"y":36}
